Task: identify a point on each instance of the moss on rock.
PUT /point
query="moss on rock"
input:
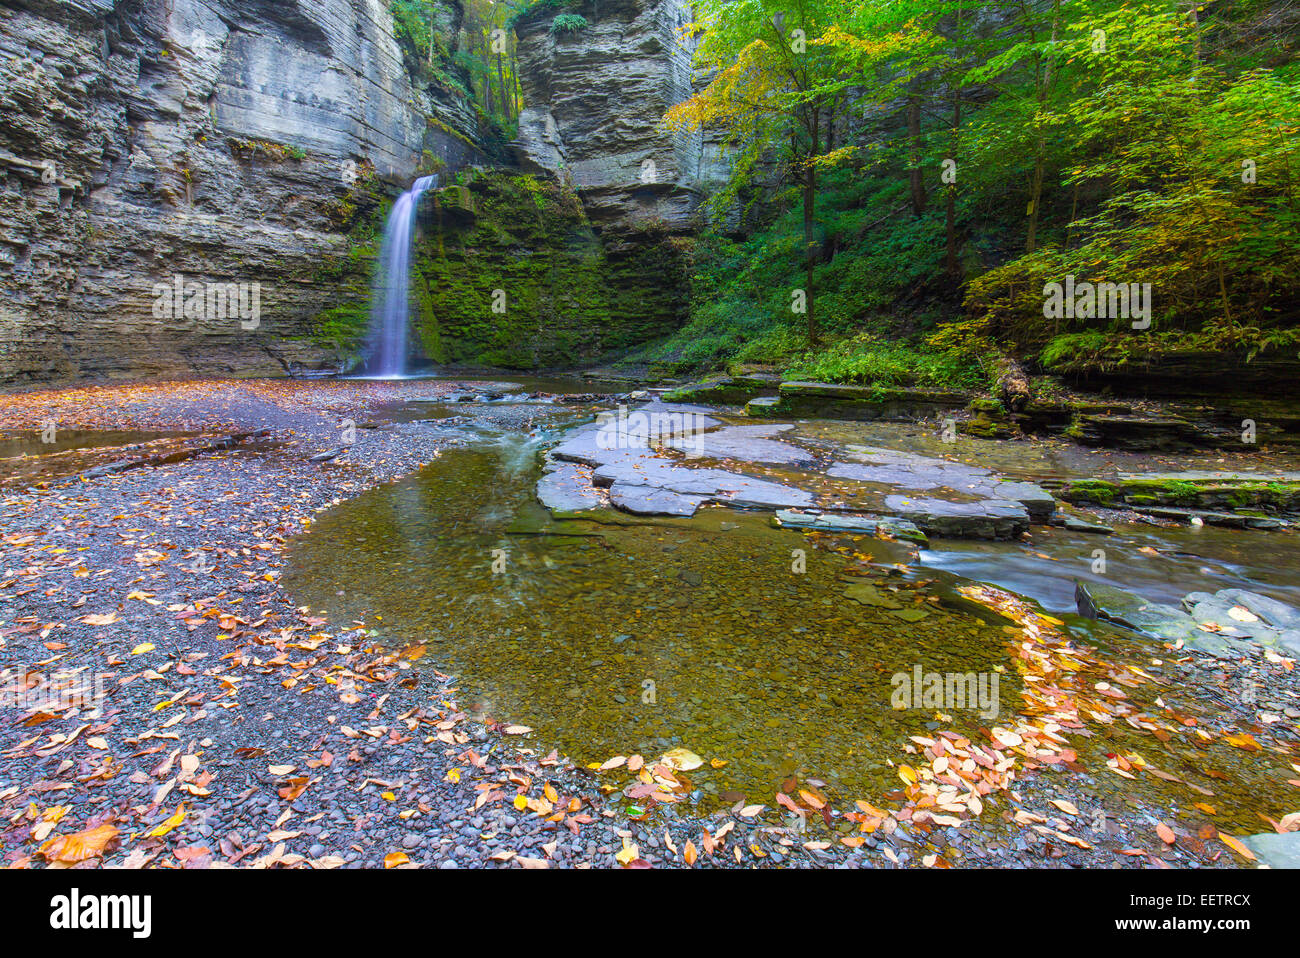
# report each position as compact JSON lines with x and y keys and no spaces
{"x":523,"y":281}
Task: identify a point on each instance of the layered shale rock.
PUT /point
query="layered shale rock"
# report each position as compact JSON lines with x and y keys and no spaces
{"x":596,"y":93}
{"x":218,"y":142}
{"x":596,"y":97}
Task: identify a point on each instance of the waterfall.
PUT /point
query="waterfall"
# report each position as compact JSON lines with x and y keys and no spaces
{"x":392,"y":293}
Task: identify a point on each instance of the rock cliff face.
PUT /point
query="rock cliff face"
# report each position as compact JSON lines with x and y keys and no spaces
{"x":594,"y":116}
{"x":190,"y":187}
{"x":510,"y":273}
{"x":217,"y":141}
{"x":595,"y":99}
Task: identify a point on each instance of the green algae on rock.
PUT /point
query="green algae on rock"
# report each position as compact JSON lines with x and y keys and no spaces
{"x":509,"y":272}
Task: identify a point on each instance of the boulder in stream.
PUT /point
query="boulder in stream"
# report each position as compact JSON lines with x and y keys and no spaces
{"x":1220,"y":624}
{"x":1275,"y":850}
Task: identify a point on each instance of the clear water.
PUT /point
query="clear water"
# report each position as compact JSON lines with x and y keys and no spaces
{"x":629,"y":636}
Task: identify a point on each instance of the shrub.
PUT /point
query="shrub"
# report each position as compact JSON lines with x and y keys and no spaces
{"x":568,"y":23}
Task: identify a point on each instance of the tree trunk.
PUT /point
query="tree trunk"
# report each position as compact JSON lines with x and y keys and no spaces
{"x":1040,"y":154}
{"x":432,"y":34}
{"x":952,"y":261}
{"x":809,"y":215}
{"x":501,"y":80}
{"x":1012,"y":384}
{"x":952,"y":248}
{"x":915,"y":176}
{"x":809,"y":203}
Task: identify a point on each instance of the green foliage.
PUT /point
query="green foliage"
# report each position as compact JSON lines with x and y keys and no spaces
{"x":568,"y":23}
{"x":741,"y":289}
{"x":537,"y":6}
{"x":996,"y":149}
{"x":866,"y":360}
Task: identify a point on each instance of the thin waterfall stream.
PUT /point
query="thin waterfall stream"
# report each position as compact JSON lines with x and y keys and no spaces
{"x":390,"y":316}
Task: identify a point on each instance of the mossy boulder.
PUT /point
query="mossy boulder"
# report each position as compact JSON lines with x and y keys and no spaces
{"x":989,"y":420}
{"x":1225,"y":492}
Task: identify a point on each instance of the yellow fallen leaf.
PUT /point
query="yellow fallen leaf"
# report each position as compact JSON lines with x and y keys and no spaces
{"x":142,"y":648}
{"x":1237,"y":846}
{"x":169,"y":824}
{"x":1007,"y":738}
{"x":393,"y":859}
{"x":628,"y":853}
{"x":682,"y":760}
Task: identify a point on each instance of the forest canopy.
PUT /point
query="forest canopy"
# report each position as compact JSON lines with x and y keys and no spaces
{"x":938,"y":166}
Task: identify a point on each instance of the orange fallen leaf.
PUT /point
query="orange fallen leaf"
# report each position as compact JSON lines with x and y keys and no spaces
{"x":79,"y":847}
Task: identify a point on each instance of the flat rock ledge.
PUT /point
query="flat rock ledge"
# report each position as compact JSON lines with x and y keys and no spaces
{"x":892,"y":527}
{"x":837,"y":401}
{"x":669,"y":459}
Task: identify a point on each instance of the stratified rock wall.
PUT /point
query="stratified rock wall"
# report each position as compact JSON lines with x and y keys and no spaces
{"x":223,"y":142}
{"x":595,"y":100}
{"x":594,"y":116}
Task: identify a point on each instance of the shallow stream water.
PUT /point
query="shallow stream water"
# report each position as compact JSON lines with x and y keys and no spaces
{"x":721,"y":633}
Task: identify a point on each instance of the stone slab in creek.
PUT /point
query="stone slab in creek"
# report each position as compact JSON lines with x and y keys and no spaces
{"x":983,"y":504}
{"x":891,"y":526}
{"x":648,"y":501}
{"x":566,"y":487}
{"x":619,"y":450}
{"x":981,"y":519}
{"x":746,"y":443}
{"x":626,"y":452}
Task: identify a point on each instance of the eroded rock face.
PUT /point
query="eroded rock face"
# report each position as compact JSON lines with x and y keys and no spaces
{"x":223,"y":142}
{"x":596,"y":100}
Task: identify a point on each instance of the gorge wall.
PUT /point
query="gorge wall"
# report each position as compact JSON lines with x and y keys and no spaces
{"x":595,"y":257}
{"x":594,"y":105}
{"x":221,"y":142}
{"x":213,"y":146}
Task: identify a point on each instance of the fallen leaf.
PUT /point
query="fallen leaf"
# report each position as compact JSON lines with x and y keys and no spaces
{"x":80,"y":846}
